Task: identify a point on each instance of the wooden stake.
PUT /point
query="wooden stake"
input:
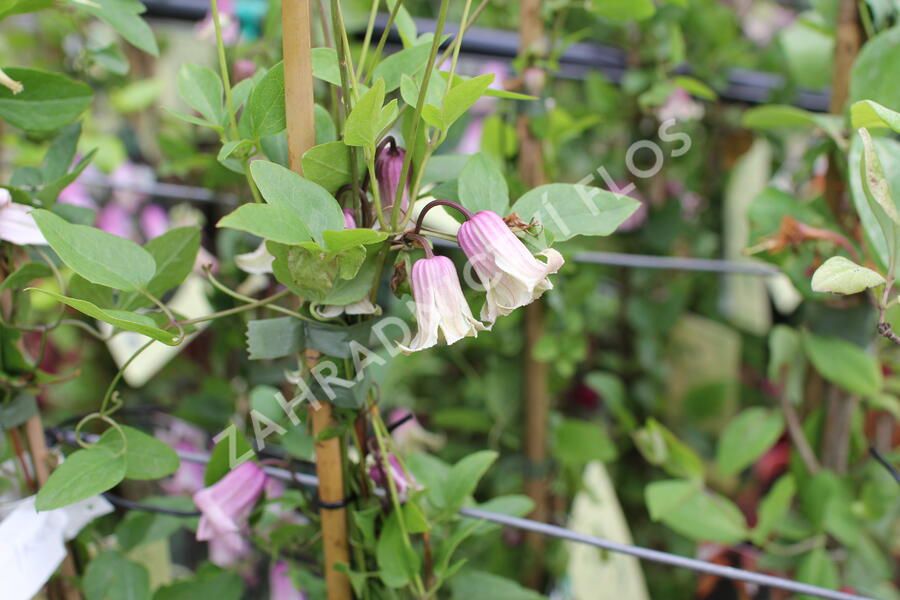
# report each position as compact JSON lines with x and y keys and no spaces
{"x":298,"y":82}
{"x":300,"y":116}
{"x":537,"y":397}
{"x":62,"y":587}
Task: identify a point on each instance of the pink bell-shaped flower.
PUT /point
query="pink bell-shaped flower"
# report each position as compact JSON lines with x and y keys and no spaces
{"x":280,"y":585}
{"x":388,"y":170}
{"x":441,"y":306}
{"x":510,"y":274}
{"x":226,"y":504}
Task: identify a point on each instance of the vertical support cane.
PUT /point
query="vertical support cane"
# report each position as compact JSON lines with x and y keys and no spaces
{"x":299,"y":109}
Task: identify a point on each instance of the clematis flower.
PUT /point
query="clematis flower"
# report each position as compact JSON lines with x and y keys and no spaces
{"x":388,"y":169}
{"x":154,"y":221}
{"x":403,"y":483}
{"x":440,"y":304}
{"x":228,"y":21}
{"x":116,"y":219}
{"x":280,"y":585}
{"x":409,"y":436}
{"x":512,"y":277}
{"x":225,"y":506}
{"x":349,"y":219}
{"x":680,"y":106}
{"x":16,"y":225}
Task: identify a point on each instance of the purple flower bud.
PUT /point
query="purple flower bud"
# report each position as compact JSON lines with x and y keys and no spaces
{"x":388,"y":170}
{"x":511,"y":276}
{"x":280,"y":585}
{"x":402,"y":483}
{"x":349,"y":219}
{"x":440,"y":304}
{"x":226,"y":504}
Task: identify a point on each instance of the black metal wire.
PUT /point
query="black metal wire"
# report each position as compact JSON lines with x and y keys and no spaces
{"x":131,"y":505}
{"x":648,"y":554}
{"x":890,"y":468}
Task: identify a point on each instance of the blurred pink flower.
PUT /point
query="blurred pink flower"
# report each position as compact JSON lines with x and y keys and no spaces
{"x":228,"y":21}
{"x":402,"y":483}
{"x":129,"y":182}
{"x":470,"y":141}
{"x":280,"y":585}
{"x":349,"y":219}
{"x":188,"y":479}
{"x":154,"y":221}
{"x":409,"y":436}
{"x":115,"y":219}
{"x":225,"y":507}
{"x":680,"y":106}
{"x":243,"y":68}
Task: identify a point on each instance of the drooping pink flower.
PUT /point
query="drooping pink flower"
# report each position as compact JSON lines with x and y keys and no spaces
{"x":349,"y":219}
{"x":680,"y":106}
{"x":510,"y":274}
{"x":403,"y":483}
{"x":441,"y":307}
{"x":388,"y":170}
{"x":280,"y":585}
{"x":16,"y":225}
{"x":154,"y":221}
{"x":226,"y":504}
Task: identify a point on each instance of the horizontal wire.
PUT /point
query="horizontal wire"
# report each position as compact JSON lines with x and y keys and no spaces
{"x":555,"y":531}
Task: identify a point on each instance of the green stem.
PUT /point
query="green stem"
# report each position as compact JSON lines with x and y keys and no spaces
{"x":376,"y":55}
{"x":347,"y":85}
{"x":115,"y":381}
{"x":417,"y":117}
{"x":367,"y":39}
{"x":229,"y":292}
{"x":167,"y":312}
{"x":237,"y":310}
{"x":395,"y":497}
{"x":223,"y":67}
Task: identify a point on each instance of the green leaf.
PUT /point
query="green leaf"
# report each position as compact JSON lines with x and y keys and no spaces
{"x":328,"y":165}
{"x":464,"y":476}
{"x":274,"y":338}
{"x":482,"y":186}
{"x":409,"y":90}
{"x":145,"y":456}
{"x":479,"y":584}
{"x":218,"y":584}
{"x":695,"y":513}
{"x":782,"y":116}
{"x":111,"y":576}
{"x":138,"y":528}
{"x":97,"y":256}
{"x":61,"y":153}
{"x":365,"y":120}
{"x":409,"y":61}
{"x":269,"y":221}
{"x":874,"y":182}
{"x":325,"y":65}
{"x":568,"y":210}
{"x":122,"y":319}
{"x":747,"y":437}
{"x":124,"y":17}
{"x":874,"y":67}
{"x":326,"y":131}
{"x":48,"y":101}
{"x":880,"y":230}
{"x":405,"y":24}
{"x":817,"y":568}
{"x":281,"y":187}
{"x":221,"y":457}
{"x":839,"y":275}
{"x":623,"y":10}
{"x":663,"y":448}
{"x":83,"y":474}
{"x":773,"y":508}
{"x":872,"y":115}
{"x":397,"y":562}
{"x":843,"y":364}
{"x":175,"y":253}
{"x":577,"y":442}
{"x":345,"y":239}
{"x":265,"y":108}
{"x":51,"y":189}
{"x":202,"y":89}
{"x":25,"y":274}
{"x":18,"y":410}
{"x":457,"y":101}
{"x":18,"y":7}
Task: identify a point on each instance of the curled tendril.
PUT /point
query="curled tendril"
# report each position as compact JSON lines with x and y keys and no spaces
{"x":101,"y":417}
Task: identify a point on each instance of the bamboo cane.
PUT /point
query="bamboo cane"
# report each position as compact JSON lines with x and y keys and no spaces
{"x":299,"y":114}
{"x":537,"y":397}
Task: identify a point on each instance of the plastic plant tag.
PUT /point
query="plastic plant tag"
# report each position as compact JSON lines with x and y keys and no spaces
{"x":594,"y":574}
{"x":190,"y":300}
{"x":34,"y":542}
